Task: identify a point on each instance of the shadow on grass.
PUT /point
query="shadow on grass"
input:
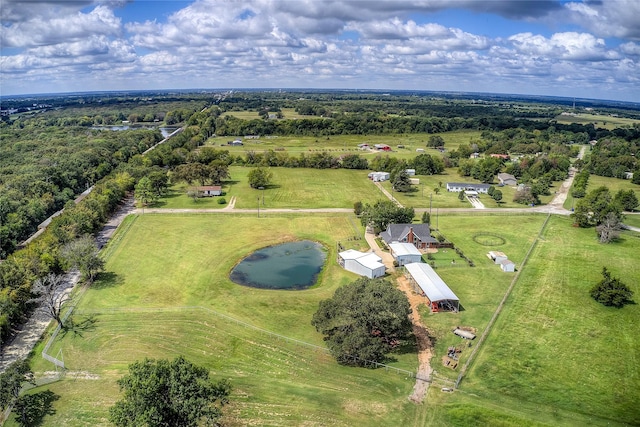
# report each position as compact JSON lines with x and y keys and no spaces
{"x":31,"y":409}
{"x":106,"y":280}
{"x":86,"y":324}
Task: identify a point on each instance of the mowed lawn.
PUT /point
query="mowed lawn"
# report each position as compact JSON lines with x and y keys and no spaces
{"x":554,"y":347}
{"x":613,"y":184}
{"x":165,"y":266}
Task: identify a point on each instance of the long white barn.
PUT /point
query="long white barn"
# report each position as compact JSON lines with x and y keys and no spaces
{"x":425,"y":279}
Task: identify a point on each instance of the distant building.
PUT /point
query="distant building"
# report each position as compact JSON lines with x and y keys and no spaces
{"x":210,"y":190}
{"x":379,"y":176}
{"x":508,"y":266}
{"x":507,"y":179}
{"x":466,"y":186}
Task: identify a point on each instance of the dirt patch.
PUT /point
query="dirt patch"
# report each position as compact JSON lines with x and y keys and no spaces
{"x":423,"y":341}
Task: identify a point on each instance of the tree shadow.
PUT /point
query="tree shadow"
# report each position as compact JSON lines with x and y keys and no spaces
{"x":107,"y":279}
{"x":31,"y":409}
{"x":86,"y":324}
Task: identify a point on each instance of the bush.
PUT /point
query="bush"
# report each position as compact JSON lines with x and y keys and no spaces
{"x":222,"y":201}
{"x":610,"y":291}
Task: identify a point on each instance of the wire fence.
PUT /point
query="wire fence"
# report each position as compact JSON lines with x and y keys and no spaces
{"x":487,"y":330}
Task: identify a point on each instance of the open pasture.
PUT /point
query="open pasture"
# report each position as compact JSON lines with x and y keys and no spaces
{"x":613,"y":184}
{"x":553,"y":346}
{"x":166,"y":264}
{"x":348,"y":144}
{"x":598,"y":120}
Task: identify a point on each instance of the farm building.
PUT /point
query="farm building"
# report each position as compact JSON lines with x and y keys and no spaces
{"x":365,"y":264}
{"x":415,"y":181}
{"x":410,"y":172}
{"x":507,"y":266}
{"x":427,"y":282}
{"x":419,"y":235}
{"x":405,"y":253}
{"x":466,"y":186}
{"x":379,"y":176}
{"x":497,"y":257}
{"x":235,"y":142}
{"x":210,"y":190}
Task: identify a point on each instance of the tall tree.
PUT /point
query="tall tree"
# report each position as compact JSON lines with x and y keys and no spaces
{"x":402,"y":182}
{"x":83,"y":254}
{"x":385,"y":212}
{"x":144,"y":191}
{"x":364,"y":321}
{"x":609,"y":229}
{"x":169,"y":393}
{"x":11,"y":381}
{"x":627,"y":199}
{"x":51,"y":295}
{"x":259,"y":177}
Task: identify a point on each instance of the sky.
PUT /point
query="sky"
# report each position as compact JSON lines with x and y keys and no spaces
{"x":581,"y":48}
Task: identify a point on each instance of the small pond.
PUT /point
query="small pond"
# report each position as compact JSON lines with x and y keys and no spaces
{"x":293,"y":265}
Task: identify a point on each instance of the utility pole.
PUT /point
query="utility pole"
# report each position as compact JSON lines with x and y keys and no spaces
{"x":430,"y":203}
{"x":258,"y":206}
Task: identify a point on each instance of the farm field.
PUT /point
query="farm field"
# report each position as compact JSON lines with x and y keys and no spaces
{"x":598,"y":120}
{"x":556,"y":348}
{"x":162,"y":266}
{"x":343,"y":144}
{"x":290,"y":188}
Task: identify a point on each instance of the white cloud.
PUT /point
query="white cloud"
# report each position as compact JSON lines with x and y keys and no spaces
{"x":40,"y":30}
{"x":619,"y":18}
{"x":569,"y":46}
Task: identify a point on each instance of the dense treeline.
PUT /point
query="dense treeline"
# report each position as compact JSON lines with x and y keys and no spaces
{"x":42,"y":168}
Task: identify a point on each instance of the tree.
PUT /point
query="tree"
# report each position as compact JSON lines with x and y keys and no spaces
{"x":51,"y":295}
{"x":259,"y":177}
{"x":144,"y":191}
{"x":436,"y":190}
{"x":461,"y":195}
{"x":83,"y":254}
{"x":497,"y":195}
{"x":11,"y":381}
{"x":435,"y":141}
{"x":169,"y":393}
{"x":402,"y":182}
{"x":364,"y":321}
{"x":426,"y":218}
{"x":609,"y":228}
{"x":610,"y":291}
{"x":627,"y":200}
{"x":385,"y":212}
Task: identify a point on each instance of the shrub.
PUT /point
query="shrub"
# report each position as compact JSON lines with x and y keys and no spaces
{"x":222,"y":201}
{"x":610,"y":291}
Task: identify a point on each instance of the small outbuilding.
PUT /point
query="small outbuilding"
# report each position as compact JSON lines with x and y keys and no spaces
{"x":365,"y":264}
{"x":405,"y":253}
{"x":507,"y":266}
{"x":507,"y":179}
{"x":379,"y":176}
{"x":410,"y":172}
{"x":497,"y":257}
{"x":427,"y":282}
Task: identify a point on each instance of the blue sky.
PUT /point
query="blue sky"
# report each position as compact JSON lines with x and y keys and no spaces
{"x":585,"y":49}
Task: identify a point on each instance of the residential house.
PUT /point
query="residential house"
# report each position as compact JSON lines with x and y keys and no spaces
{"x":419,"y":235}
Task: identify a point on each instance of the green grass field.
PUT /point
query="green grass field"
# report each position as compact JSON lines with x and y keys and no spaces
{"x":599,"y":120}
{"x":556,"y":348}
{"x":552,"y":358}
{"x":344,"y":144}
{"x":613,"y":184}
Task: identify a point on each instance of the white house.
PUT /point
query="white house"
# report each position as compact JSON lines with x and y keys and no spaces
{"x":405,"y":253}
{"x":466,"y":186}
{"x":410,"y":172}
{"x":210,"y":190}
{"x":365,"y":264}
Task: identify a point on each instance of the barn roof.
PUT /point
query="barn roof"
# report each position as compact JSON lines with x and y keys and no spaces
{"x":367,"y":259}
{"x":401,"y":249}
{"x":431,"y":284}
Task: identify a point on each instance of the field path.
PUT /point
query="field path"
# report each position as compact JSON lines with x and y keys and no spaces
{"x":424,"y":342}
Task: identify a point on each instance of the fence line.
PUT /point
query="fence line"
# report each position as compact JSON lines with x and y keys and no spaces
{"x":485,"y":333}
